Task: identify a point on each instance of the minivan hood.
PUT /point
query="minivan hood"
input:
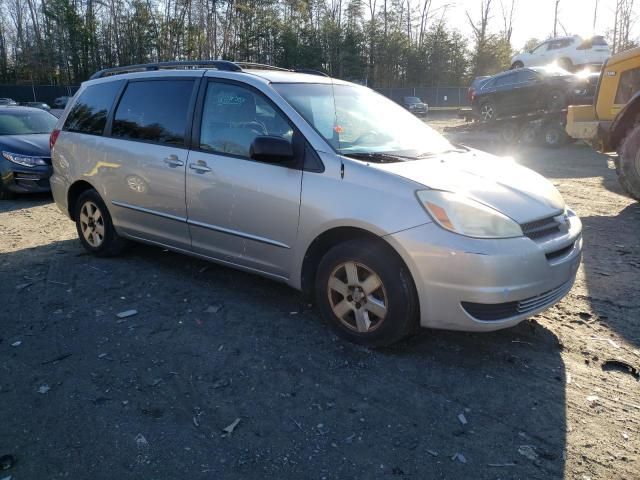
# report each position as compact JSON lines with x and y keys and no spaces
{"x":36,"y":144}
{"x":500,"y":183}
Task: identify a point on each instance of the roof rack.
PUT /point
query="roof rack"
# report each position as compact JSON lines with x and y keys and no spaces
{"x":146,"y":67}
{"x":260,"y":66}
{"x":224,"y":65}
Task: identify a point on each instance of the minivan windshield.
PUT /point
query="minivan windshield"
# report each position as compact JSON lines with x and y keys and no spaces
{"x":355,"y":120}
{"x":26,"y":122}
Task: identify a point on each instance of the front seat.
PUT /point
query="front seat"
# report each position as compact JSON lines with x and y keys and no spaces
{"x":240,"y":130}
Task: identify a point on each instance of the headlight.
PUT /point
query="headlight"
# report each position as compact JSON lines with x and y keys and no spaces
{"x":24,"y":160}
{"x":464,"y":216}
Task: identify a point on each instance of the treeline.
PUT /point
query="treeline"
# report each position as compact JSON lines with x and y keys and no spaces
{"x":382,"y":43}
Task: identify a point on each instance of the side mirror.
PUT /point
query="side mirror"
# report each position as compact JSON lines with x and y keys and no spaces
{"x":271,"y":149}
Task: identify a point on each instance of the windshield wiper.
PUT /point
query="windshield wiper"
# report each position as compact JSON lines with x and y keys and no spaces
{"x":443,"y":152}
{"x":378,"y":157}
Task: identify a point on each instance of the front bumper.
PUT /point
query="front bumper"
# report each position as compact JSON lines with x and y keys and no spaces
{"x":19,"y":179}
{"x":484,"y":285}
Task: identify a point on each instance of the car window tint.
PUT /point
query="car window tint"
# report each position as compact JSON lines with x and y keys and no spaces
{"x":628,"y":86}
{"x":233,"y":116}
{"x":154,"y":111}
{"x":600,"y":41}
{"x":541,"y":48}
{"x":89,"y":113}
{"x":505,"y":80}
{"x":526,"y":76}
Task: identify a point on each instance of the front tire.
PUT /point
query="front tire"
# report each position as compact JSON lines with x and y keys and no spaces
{"x":94,"y":226}
{"x":5,"y":194}
{"x":517,"y":64}
{"x":628,"y":163}
{"x":366,"y":293}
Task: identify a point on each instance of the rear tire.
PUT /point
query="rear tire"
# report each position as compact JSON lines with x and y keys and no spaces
{"x":366,"y":293}
{"x":488,"y":112}
{"x":628,"y":163}
{"x":530,"y":135}
{"x":554,"y":135}
{"x":510,"y":133}
{"x":517,"y":64}
{"x":94,"y":226}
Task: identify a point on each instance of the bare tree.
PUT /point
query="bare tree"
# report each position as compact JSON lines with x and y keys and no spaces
{"x":507,"y":19}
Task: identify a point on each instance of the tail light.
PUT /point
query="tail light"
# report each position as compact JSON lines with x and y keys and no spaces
{"x":471,"y":94}
{"x":52,"y":138}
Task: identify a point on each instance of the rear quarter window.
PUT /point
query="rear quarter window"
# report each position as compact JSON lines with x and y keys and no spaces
{"x":89,"y":113}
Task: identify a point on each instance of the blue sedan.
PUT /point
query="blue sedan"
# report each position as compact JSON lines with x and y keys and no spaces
{"x":25,"y":158}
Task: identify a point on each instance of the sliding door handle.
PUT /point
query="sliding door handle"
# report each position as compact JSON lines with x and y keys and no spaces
{"x":173,"y":161}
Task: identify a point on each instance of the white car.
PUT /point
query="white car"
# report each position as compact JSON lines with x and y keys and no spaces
{"x":570,"y":53}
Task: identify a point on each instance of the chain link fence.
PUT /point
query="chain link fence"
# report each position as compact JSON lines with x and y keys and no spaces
{"x":36,"y":93}
{"x":435,"y":97}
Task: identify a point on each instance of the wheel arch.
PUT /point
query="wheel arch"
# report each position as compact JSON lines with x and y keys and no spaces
{"x":330,"y":238}
{"x":75,"y":190}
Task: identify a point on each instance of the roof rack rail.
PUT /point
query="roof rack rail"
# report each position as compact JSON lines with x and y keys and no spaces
{"x":145,"y":67}
{"x":310,"y":71}
{"x":260,"y":66}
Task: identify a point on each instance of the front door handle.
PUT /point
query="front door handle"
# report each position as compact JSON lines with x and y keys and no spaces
{"x":200,"y":166}
{"x":173,"y":161}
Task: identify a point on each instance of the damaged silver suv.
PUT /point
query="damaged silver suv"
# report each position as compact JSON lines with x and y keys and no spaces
{"x":318,"y":183}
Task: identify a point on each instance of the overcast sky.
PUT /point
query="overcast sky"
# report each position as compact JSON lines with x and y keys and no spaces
{"x":534,"y":18}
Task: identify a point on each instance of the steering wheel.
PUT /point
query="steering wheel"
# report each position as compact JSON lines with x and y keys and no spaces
{"x":256,"y":126}
{"x":364,"y":135}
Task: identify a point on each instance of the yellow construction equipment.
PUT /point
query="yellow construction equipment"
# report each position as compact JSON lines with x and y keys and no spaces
{"x":612,"y":123}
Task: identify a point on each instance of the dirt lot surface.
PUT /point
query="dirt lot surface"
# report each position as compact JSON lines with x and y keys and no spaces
{"x":85,"y":394}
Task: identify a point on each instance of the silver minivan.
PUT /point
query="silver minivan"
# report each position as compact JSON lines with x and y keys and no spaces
{"x":318,"y":183}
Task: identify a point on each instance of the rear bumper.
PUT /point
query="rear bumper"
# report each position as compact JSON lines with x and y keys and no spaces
{"x":484,"y":285}
{"x":18,"y":179}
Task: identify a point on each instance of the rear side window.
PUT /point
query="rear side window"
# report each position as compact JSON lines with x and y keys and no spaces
{"x":154,"y":111}
{"x":526,"y":76}
{"x":505,"y":80}
{"x":89,"y":113}
{"x":628,"y":86}
{"x":599,"y":41}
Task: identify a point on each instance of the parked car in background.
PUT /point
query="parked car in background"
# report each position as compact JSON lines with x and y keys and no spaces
{"x":61,"y":102}
{"x":319,"y":183}
{"x":25,"y":160}
{"x":528,"y":90}
{"x":40,"y":105}
{"x":571,"y":53}
{"x":7,"y":102}
{"x":415,"y":106}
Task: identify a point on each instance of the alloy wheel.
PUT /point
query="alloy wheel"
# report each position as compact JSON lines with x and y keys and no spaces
{"x":486,"y":112}
{"x":357,"y":297}
{"x":92,"y":224}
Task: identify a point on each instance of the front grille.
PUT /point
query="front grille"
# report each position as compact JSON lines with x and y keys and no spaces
{"x":501,"y":311}
{"x":540,"y":228}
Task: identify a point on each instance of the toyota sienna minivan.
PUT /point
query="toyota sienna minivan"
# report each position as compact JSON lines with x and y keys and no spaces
{"x":318,"y":183}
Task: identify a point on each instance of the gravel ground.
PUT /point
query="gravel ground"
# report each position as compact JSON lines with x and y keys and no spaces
{"x":85,"y":394}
